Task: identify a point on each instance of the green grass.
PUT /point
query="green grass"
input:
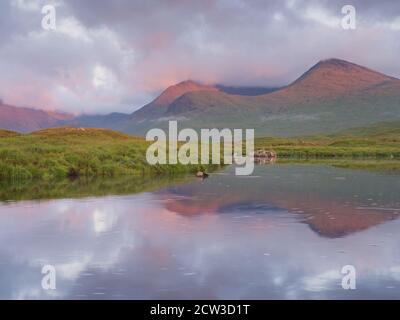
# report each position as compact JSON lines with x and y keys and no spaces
{"x":8,"y":133}
{"x":372,"y":165}
{"x":381,"y":141}
{"x":73,"y":153}
{"x":69,"y":152}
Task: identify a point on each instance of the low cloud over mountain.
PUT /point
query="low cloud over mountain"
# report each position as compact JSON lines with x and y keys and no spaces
{"x":117,"y":56}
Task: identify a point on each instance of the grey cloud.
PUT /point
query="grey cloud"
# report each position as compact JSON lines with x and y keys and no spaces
{"x":144,"y":46}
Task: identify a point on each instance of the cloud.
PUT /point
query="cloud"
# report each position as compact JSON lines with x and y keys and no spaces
{"x":322,"y":281}
{"x":25,"y":5}
{"x":321,"y":16}
{"x":116,"y":56}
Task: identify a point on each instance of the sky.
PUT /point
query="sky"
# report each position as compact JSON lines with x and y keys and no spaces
{"x":115,"y":56}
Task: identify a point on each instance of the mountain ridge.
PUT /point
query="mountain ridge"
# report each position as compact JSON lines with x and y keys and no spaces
{"x":25,"y":119}
{"x":330,"y":96}
{"x":335,"y":76}
{"x":169,"y":95}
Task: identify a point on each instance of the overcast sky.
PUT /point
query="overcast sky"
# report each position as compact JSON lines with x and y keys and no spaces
{"x":117,"y":55}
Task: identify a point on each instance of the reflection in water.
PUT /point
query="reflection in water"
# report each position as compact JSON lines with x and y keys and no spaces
{"x":331,"y":201}
{"x":284,"y":233}
{"x":79,"y":188}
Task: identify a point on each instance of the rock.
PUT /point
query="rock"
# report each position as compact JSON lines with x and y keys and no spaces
{"x":201,"y":174}
{"x":264,"y":154}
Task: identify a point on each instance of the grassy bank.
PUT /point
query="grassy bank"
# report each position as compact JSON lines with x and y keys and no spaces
{"x":67,"y":152}
{"x":85,"y":187}
{"x":371,"y":165}
{"x":381,"y":141}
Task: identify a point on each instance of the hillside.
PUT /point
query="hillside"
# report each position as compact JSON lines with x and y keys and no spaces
{"x":108,"y":121}
{"x":379,"y":141}
{"x":333,"y":95}
{"x":76,"y":152}
{"x":388,"y":130}
{"x":153,"y":110}
{"x":161,"y":103}
{"x":80,"y":152}
{"x":27,"y":119}
{"x":332,"y":78}
{"x":8,"y":133}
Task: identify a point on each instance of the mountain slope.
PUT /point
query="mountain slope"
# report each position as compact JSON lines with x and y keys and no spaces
{"x":160,"y":104}
{"x":331,"y":96}
{"x":333,"y":77}
{"x":108,"y":121}
{"x":155,"y":109}
{"x":27,"y":119}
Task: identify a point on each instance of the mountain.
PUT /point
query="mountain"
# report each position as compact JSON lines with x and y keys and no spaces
{"x":153,"y":110}
{"x":27,"y":119}
{"x":161,"y":103}
{"x":333,"y":95}
{"x":108,"y":121}
{"x":331,"y":78}
{"x":8,"y":133}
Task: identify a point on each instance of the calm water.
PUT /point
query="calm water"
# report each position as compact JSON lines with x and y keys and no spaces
{"x":284,"y":233}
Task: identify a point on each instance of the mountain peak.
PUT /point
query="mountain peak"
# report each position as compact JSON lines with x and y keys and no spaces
{"x":335,"y":77}
{"x":169,"y":95}
{"x":335,"y":62}
{"x":26,"y":119}
{"x":189,"y":85}
{"x":175,"y":91}
{"x":338,"y":65}
{"x":188,"y":82}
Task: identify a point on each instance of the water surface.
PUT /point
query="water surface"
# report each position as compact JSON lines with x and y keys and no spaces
{"x":284,"y":233}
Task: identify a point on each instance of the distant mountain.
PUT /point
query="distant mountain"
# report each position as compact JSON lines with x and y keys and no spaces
{"x":160,"y":105}
{"x":154,"y":110}
{"x":246,"y":91}
{"x":332,"y":78}
{"x":27,"y":119}
{"x":108,"y":121}
{"x":332,"y":96}
{"x":8,"y":133}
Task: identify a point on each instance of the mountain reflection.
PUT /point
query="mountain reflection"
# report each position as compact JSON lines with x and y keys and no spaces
{"x":284,"y":233}
{"x":333,"y":202}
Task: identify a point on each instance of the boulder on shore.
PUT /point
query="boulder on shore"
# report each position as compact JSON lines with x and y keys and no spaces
{"x":201,"y":174}
{"x":265,"y":154}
